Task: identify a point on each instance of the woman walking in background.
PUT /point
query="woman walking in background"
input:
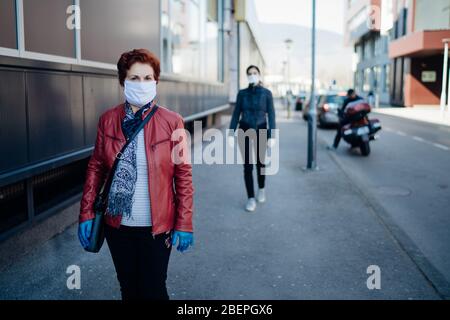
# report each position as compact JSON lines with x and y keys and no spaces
{"x":254,"y":110}
{"x":150,"y":202}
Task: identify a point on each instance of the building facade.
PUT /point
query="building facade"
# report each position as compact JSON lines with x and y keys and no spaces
{"x":371,"y":63}
{"x":58,"y":74}
{"x":399,"y":49}
{"x":417,"y":51}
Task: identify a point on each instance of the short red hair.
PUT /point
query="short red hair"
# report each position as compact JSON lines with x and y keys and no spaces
{"x":127,"y":59}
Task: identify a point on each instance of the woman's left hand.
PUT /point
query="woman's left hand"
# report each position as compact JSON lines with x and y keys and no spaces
{"x":186,"y":240}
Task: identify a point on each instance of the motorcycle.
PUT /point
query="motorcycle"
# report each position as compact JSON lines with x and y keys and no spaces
{"x":360,"y":131}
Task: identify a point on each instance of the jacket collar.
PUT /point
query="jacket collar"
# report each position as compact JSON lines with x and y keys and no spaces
{"x":254,"y":87}
{"x":144,"y":114}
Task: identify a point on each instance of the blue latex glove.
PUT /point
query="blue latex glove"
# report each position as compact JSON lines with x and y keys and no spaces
{"x":186,"y":240}
{"x":84,"y":232}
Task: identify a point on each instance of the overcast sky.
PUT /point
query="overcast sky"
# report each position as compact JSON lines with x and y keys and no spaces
{"x":330,"y":13}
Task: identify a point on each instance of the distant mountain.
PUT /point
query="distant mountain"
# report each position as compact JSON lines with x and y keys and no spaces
{"x":334,"y":60}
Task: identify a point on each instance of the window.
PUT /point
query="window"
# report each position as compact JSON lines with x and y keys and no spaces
{"x":8,"y":32}
{"x":387,"y":78}
{"x":45,"y":27}
{"x":166,"y":65}
{"x":185,"y":28}
{"x":367,"y":75}
{"x":190,"y":38}
{"x":379,"y":45}
{"x":359,"y":52}
{"x":368,"y":49}
{"x":111,"y":27}
{"x":211,"y":41}
{"x":376,"y":78}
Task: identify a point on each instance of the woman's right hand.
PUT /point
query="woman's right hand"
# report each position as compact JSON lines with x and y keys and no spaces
{"x":84,"y":232}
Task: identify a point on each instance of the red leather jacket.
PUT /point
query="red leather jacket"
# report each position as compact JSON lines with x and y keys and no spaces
{"x":170,"y":184}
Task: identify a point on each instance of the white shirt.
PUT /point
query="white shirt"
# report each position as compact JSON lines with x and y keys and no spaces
{"x":141,"y":210}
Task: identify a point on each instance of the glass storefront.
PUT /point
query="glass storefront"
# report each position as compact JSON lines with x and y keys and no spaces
{"x":190,"y":38}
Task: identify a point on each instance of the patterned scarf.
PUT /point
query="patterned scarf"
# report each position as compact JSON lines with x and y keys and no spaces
{"x":120,"y":198}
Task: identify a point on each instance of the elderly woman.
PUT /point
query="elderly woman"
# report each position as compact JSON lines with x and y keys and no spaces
{"x":150,"y":202}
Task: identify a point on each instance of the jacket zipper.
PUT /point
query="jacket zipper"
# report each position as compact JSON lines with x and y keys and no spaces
{"x":151,"y":164}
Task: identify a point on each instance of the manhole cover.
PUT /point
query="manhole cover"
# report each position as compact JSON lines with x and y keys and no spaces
{"x":393,"y":191}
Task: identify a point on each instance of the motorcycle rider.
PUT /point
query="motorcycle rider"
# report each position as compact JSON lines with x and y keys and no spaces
{"x":343,"y":120}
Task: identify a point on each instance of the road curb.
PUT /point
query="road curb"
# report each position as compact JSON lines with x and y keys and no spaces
{"x":433,"y":276}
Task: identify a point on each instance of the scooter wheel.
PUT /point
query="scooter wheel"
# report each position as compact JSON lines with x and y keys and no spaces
{"x":365,"y":148}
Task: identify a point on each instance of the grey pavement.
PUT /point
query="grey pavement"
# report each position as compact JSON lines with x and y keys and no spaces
{"x":313,"y":239}
{"x":406,"y":179}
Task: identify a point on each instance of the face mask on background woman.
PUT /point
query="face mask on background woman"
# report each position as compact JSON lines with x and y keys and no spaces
{"x":139,"y":93}
{"x":253,"y":79}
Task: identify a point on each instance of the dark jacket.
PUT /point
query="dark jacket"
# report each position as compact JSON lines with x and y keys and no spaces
{"x":347,"y":101}
{"x":170,"y":184}
{"x":255,"y":104}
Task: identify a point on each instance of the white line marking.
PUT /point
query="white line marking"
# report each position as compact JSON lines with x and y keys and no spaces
{"x":401,"y":133}
{"x":437,"y":145}
{"x":440,"y":146}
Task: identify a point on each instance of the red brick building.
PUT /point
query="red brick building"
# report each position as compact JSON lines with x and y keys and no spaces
{"x":417,"y":50}
{"x":413,"y":72}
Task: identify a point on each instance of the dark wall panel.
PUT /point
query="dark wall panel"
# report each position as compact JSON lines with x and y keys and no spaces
{"x":45,"y":114}
{"x":8,"y":34}
{"x":77,"y":111}
{"x":111,"y":27}
{"x":13,"y":120}
{"x":100,"y":94}
{"x":188,"y":98}
{"x":45,"y":27}
{"x":55,"y":123}
{"x":167,"y":94}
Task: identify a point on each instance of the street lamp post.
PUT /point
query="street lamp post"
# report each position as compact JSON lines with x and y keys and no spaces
{"x":312,"y":121}
{"x":288,"y":43}
{"x":445,"y":70}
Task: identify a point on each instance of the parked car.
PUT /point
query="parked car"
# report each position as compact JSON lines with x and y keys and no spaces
{"x":327,"y":106}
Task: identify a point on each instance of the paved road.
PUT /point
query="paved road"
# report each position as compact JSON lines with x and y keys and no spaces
{"x":407,"y":177}
{"x":313,"y":239}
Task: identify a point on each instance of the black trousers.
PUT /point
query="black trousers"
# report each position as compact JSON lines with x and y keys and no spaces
{"x":140,"y":261}
{"x":249,"y":153}
{"x":342,"y":122}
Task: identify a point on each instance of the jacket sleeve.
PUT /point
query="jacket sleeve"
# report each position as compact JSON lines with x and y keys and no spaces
{"x":236,"y":113}
{"x":95,"y":176}
{"x":184,"y":189}
{"x":271,"y":115}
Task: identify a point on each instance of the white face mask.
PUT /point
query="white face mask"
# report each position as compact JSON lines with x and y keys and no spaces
{"x":253,"y":79}
{"x":139,"y":93}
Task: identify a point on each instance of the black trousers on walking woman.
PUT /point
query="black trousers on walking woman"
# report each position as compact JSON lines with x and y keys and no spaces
{"x":140,"y":260}
{"x":248,"y":153}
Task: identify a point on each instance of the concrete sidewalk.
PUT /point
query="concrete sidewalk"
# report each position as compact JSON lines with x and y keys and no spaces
{"x":425,"y":114}
{"x":313,"y":239}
